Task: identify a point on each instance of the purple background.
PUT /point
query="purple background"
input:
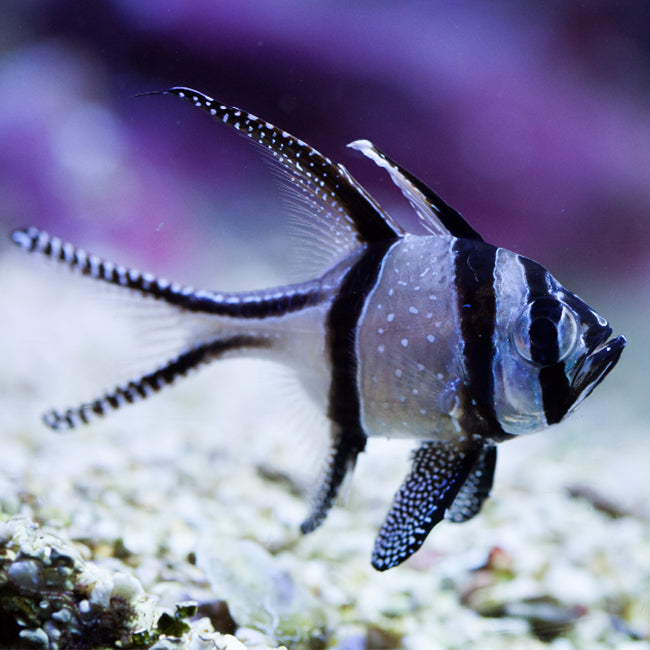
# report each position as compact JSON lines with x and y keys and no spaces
{"x":532,"y":119}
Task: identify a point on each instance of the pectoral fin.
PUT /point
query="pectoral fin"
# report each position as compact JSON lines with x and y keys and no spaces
{"x":438,"y":474}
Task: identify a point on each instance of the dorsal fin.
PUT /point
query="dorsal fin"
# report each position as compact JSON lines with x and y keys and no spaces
{"x":341,"y":211}
{"x":437,"y":216}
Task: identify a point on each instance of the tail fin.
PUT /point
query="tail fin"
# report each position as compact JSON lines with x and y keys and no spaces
{"x":213,"y":342}
{"x":150,"y":383}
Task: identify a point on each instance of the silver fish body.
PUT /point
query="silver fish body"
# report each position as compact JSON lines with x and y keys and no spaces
{"x":443,"y":337}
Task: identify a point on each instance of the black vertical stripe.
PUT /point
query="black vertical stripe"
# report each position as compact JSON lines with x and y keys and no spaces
{"x":474,"y":267}
{"x":342,"y":321}
{"x":554,"y":383}
{"x":556,"y":392}
{"x":536,"y":278}
{"x":344,"y":409}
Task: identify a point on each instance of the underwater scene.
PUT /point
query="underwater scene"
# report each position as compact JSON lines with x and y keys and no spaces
{"x":349,"y":316}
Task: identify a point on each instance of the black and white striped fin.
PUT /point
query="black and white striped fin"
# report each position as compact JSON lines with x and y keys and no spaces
{"x":328,"y":195}
{"x":438,"y":473}
{"x":342,"y":459}
{"x":247,"y":304}
{"x":436,"y":216}
{"x":476,"y":488}
{"x":150,"y":383}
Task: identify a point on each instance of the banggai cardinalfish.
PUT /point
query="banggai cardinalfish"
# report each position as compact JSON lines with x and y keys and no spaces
{"x":440,"y":337}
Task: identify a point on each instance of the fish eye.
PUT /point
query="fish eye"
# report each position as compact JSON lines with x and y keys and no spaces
{"x":545,"y":332}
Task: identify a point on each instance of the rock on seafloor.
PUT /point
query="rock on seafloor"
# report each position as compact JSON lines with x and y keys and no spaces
{"x":51,"y":598}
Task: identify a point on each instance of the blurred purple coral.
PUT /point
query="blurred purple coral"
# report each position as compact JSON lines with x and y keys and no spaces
{"x":509,"y":112}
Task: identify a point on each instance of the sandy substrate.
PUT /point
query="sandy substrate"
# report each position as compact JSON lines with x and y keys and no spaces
{"x":198,"y":494}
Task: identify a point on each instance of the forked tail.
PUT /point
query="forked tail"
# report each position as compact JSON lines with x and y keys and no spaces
{"x":251,"y":305}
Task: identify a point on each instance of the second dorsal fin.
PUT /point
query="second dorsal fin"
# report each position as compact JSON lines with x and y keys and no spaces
{"x":437,"y":216}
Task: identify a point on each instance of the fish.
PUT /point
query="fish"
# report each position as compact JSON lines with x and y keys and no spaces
{"x":440,"y":337}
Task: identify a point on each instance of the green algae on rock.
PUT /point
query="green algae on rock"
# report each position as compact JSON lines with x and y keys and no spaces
{"x":51,"y":598}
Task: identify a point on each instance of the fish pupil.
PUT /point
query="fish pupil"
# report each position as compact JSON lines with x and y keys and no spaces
{"x":543,"y":341}
{"x":545,"y":315}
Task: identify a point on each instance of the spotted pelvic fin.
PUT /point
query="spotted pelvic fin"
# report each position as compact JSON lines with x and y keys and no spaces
{"x":476,"y":488}
{"x":439,"y":472}
{"x":438,"y":217}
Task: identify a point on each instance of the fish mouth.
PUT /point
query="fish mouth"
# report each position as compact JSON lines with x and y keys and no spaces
{"x":602,"y":357}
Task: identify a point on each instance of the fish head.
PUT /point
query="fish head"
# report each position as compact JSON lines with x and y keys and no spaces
{"x":554,"y":351}
{"x":595,"y":353}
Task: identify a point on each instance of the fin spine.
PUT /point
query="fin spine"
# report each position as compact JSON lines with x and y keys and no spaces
{"x":421,"y":195}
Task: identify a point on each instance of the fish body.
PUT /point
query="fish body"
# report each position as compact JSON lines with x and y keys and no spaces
{"x":442,"y":338}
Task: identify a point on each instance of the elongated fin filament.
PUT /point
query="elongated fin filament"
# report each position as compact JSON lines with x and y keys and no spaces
{"x":153,"y":382}
{"x":33,"y":240}
{"x":245,"y":304}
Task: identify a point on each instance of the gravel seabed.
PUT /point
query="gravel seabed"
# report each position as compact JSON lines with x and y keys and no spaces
{"x":198,"y":493}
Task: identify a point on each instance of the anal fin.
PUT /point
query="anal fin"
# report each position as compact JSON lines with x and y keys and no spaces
{"x":344,"y":454}
{"x":438,"y":473}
